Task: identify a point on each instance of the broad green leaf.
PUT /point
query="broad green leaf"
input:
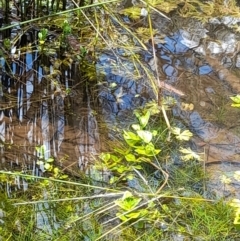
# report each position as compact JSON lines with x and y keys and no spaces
{"x":131,"y":143}
{"x":189,"y":154}
{"x":130,"y":157}
{"x":40,"y":35}
{"x":182,"y":136}
{"x":154,"y":132}
{"x":126,"y":195}
{"x":40,"y":163}
{"x":105,"y":156}
{"x":130,"y":177}
{"x":121,"y":169}
{"x":235,"y":105}
{"x":148,"y":150}
{"x":128,"y":203}
{"x":133,"y":215}
{"x":235,"y":99}
{"x":48,"y":166}
{"x":136,"y":127}
{"x":128,"y":135}
{"x":50,"y":159}
{"x":146,"y":136}
{"x":143,"y":119}
{"x":63,"y":176}
{"x":236,"y":175}
{"x":56,"y":170}
{"x":235,"y":203}
{"x":225,"y":180}
{"x":237,"y":219}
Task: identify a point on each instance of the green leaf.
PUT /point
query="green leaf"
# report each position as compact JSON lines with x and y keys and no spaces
{"x":235,"y":105}
{"x":130,"y":177}
{"x":146,"y":136}
{"x":131,"y":143}
{"x":182,"y":136}
{"x":128,"y":203}
{"x":136,"y":127}
{"x":56,"y":170}
{"x":41,"y":150}
{"x":133,"y":215}
{"x":50,"y":159}
{"x":105,"y":156}
{"x":48,"y":166}
{"x":121,"y":169}
{"x":40,"y":35}
{"x":133,"y":12}
{"x":235,"y":203}
{"x":154,"y":132}
{"x":40,"y":162}
{"x":148,"y":150}
{"x":130,"y":158}
{"x":235,"y":99}
{"x":225,"y":180}
{"x":236,"y":175}
{"x":189,"y":154}
{"x":128,"y":135}
{"x":143,"y":119}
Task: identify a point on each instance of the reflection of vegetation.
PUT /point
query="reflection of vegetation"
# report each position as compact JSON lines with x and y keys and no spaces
{"x":164,"y":202}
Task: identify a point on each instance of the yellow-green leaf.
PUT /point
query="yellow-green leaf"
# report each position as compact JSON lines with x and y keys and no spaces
{"x":182,"y":136}
{"x":236,"y":175}
{"x":189,"y":154}
{"x":225,"y":180}
{"x":235,"y":99}
{"x":146,"y":136}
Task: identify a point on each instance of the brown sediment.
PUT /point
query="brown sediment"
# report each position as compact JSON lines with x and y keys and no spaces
{"x":224,"y":74}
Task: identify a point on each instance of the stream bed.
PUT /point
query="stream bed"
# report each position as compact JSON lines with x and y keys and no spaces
{"x":35,"y":111}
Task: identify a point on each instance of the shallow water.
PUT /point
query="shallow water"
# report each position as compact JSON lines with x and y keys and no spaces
{"x":36,"y":110}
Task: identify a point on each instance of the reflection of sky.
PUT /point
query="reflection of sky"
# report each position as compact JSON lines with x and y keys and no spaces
{"x":174,"y":44}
